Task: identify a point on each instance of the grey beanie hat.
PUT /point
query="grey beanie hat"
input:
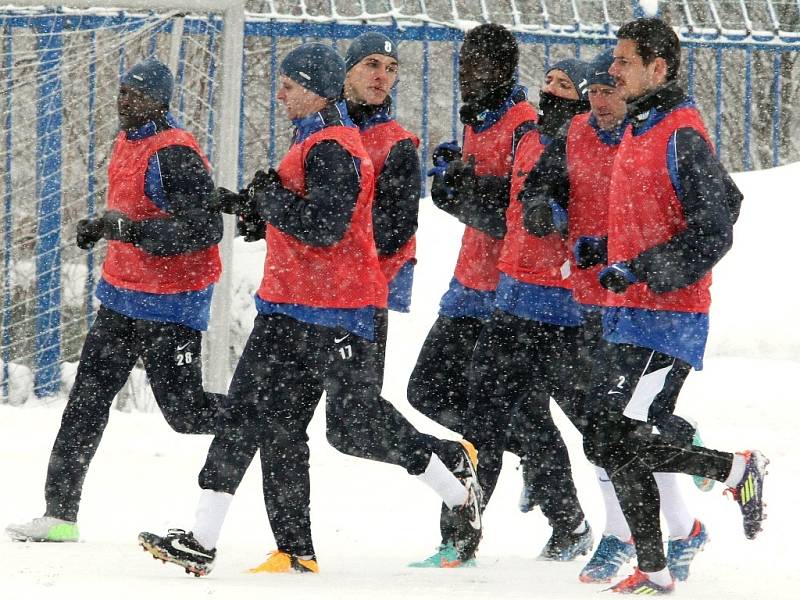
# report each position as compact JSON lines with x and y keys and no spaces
{"x":317,"y":67}
{"x":151,"y":77}
{"x":576,"y":70}
{"x":369,"y":43}
{"x":598,"y":69}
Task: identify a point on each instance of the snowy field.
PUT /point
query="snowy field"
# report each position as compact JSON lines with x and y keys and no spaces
{"x":371,"y":519}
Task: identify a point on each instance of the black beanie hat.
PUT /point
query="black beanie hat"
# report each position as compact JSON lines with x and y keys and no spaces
{"x":369,"y":43}
{"x":577,"y":71}
{"x":151,"y":77}
{"x":496,"y":44}
{"x":598,"y":69}
{"x":317,"y":67}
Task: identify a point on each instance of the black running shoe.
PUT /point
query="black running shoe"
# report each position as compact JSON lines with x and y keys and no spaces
{"x":179,"y":547}
{"x":749,"y":492}
{"x":463,"y":523}
{"x":565,"y":545}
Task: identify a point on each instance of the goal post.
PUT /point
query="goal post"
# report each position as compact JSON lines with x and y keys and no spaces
{"x":60,"y":66}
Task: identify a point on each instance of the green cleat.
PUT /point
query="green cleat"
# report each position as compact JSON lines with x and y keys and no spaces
{"x":446,"y":557}
{"x":44,"y":529}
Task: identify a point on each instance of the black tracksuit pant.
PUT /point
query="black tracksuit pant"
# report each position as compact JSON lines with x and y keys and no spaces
{"x":631,"y":390}
{"x":439,"y":387}
{"x":172,"y":360}
{"x":285,"y":367}
{"x":517,"y":365}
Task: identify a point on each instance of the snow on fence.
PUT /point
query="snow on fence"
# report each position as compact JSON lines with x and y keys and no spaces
{"x":61,"y":67}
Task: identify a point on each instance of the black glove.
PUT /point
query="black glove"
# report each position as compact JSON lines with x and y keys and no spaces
{"x":261,"y":196}
{"x":116,"y":226}
{"x":617,"y":277}
{"x":460,"y":174}
{"x":228,"y":202}
{"x":542,"y":216}
{"x":88,"y":232}
{"x":264,"y":182}
{"x":251,"y":227}
{"x":590,"y":251}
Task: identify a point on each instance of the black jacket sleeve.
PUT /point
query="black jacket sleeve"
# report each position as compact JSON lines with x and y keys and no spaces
{"x":710,"y":201}
{"x":480,"y":201}
{"x":192,"y":225}
{"x":322,"y":216}
{"x":548,"y":180}
{"x":396,"y":205}
{"x":483,"y":201}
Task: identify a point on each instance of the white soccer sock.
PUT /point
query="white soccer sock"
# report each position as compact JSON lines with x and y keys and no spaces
{"x":680,"y":521}
{"x":212,"y":507}
{"x":439,"y":478}
{"x":615,"y":521}
{"x":737,"y":471}
{"x":662,"y":577}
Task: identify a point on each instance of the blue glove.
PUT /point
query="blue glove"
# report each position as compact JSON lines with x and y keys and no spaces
{"x":560,"y":217}
{"x":590,"y":251}
{"x":443,"y":155}
{"x":446,"y":152}
{"x":617,"y":277}
{"x":437,"y":171}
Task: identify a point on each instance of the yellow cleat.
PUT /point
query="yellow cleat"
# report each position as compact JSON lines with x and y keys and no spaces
{"x":282,"y":562}
{"x":471,"y":452}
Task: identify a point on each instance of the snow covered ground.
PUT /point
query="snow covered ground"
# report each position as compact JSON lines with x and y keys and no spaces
{"x":371,"y":519}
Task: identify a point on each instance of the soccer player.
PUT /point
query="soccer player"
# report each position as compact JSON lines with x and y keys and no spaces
{"x":671,"y":209}
{"x":155,"y":291}
{"x":524,"y":353}
{"x":473,"y":185}
{"x":315,"y":331}
{"x":575,"y":174}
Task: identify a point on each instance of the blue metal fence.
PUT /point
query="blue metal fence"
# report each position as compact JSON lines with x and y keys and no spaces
{"x":49,"y":167}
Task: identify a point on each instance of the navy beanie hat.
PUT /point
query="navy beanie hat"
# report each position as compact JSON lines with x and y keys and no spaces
{"x":598,"y":69}
{"x":151,"y":77}
{"x":317,"y":67}
{"x":576,"y":70}
{"x":369,"y":43}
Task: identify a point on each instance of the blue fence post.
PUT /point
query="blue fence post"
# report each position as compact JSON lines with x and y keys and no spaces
{"x":719,"y":106}
{"x":747,"y":162}
{"x":546,"y":55}
{"x":49,"y":45}
{"x":776,"y":109}
{"x":180,"y":76}
{"x":456,"y":94}
{"x":7,"y":220}
{"x":240,"y":161}
{"x":213,"y":30}
{"x":152,"y":45}
{"x":425,"y":105}
{"x":273,"y":86}
{"x":91,"y":180}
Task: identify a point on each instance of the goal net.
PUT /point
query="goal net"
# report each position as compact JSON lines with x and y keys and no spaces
{"x":60,"y":71}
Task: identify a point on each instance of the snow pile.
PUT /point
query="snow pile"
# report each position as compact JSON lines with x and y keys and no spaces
{"x":20,"y":383}
{"x":649,"y":7}
{"x":754,"y":310}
